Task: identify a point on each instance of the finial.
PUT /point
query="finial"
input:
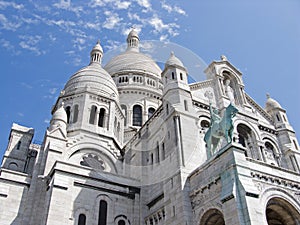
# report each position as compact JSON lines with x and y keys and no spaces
{"x":98,"y":42}
{"x":268,"y":95}
{"x":223,"y":58}
{"x":172,"y":53}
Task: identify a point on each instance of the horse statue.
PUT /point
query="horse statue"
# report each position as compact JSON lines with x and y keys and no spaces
{"x":219,"y":128}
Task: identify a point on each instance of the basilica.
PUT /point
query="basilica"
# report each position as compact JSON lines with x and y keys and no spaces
{"x":130,"y":143}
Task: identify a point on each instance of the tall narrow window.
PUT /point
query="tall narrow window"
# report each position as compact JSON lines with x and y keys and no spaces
{"x":137,"y":115}
{"x":185,"y":105}
{"x":93,"y":114}
{"x":124,"y":108}
{"x":75,"y":115}
{"x":101,"y":117}
{"x":81,"y":219}
{"x":173,"y":75}
{"x":181,"y":77}
{"x":150,"y":112}
{"x":102,"y":213}
{"x":19,"y":145}
{"x":68,"y":111}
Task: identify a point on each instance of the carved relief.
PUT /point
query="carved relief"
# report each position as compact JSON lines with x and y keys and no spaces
{"x":92,"y":160}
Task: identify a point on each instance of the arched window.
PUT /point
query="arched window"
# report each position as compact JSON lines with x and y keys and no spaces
{"x":101,"y":117}
{"x":68,"y":111}
{"x":181,"y":77}
{"x":121,"y":222}
{"x":81,"y":219}
{"x":137,"y":115}
{"x":19,"y":145}
{"x":150,"y":112}
{"x":102,"y":213}
{"x":125,"y":112}
{"x":173,"y":75}
{"x":247,"y":139}
{"x":93,"y":114}
{"x":75,"y":115}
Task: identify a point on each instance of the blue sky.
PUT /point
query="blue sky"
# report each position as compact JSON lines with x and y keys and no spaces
{"x":42,"y":43}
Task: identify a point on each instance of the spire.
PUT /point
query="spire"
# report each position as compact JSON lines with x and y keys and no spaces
{"x":173,"y":60}
{"x":96,"y":53}
{"x":133,"y":41}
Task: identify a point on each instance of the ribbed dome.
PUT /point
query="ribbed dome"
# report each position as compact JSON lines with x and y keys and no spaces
{"x":94,"y":77}
{"x":132,"y":61}
{"x":173,"y":60}
{"x":60,"y":114}
{"x":271,"y":104}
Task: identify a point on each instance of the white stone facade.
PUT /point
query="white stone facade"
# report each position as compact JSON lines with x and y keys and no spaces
{"x":126,"y":146}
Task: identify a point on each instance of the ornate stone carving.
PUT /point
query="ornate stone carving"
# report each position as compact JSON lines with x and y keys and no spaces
{"x":94,"y":161}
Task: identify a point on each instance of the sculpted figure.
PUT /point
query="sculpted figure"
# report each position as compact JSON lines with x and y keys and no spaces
{"x":219,"y":128}
{"x":229,"y":91}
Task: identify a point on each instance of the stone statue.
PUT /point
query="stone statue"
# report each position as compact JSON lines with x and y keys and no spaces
{"x":229,"y":91}
{"x":219,"y":128}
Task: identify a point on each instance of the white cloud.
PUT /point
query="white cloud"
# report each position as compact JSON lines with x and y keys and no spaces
{"x":122,"y":5}
{"x":170,"y":9}
{"x":63,"y":4}
{"x":160,"y":26}
{"x":30,"y":43}
{"x":163,"y":37}
{"x":46,"y":121}
{"x":52,"y":91}
{"x":144,"y":3}
{"x":112,"y":20}
{"x":28,"y":86}
{"x":20,"y":114}
{"x":4,"y":4}
{"x":8,"y":46}
{"x":7,"y":25}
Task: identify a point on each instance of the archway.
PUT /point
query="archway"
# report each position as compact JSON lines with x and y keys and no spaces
{"x":212,"y":217}
{"x":280,"y":212}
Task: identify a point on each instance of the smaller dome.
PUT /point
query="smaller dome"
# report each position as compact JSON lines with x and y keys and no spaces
{"x":173,"y":60}
{"x":60,"y":114}
{"x":271,"y":104}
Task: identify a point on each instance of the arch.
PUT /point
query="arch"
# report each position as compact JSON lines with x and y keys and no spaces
{"x":101,"y":117}
{"x":109,"y":158}
{"x":137,"y":116}
{"x":93,"y":114}
{"x":68,"y":111}
{"x":151,"y":111}
{"x":248,"y":139}
{"x":281,"y":212}
{"x":81,"y":219}
{"x":212,"y":217}
{"x":13,"y":166}
{"x":75,"y":113}
{"x":121,"y":220}
{"x":204,"y":123}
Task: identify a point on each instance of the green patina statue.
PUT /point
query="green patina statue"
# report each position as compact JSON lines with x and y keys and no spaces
{"x":219,"y":128}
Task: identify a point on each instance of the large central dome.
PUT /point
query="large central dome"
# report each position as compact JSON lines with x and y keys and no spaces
{"x":132,"y":60}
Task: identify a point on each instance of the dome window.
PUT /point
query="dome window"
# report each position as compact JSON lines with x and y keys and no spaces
{"x":68,"y":111}
{"x":150,"y":112}
{"x":137,"y":116}
{"x":93,"y":114}
{"x":101,"y":117}
{"x":75,"y":114}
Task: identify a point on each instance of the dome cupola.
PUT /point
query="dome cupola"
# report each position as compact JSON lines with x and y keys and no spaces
{"x":133,"y":41}
{"x":96,"y":53}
